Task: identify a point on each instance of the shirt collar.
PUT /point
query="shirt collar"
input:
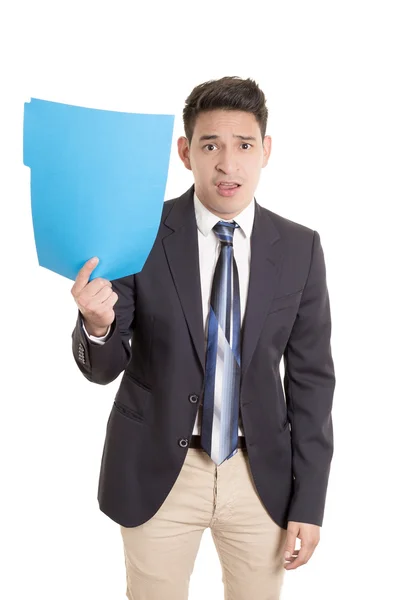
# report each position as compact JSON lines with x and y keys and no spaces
{"x":206,"y":219}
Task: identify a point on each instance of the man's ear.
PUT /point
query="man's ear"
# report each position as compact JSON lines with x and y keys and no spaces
{"x":266,"y":149}
{"x":183,"y":151}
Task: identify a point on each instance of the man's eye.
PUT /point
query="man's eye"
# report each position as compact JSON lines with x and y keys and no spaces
{"x":208,"y":145}
{"x":246,"y":144}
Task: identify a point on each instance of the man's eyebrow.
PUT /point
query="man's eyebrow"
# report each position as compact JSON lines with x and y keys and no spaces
{"x":216,"y":137}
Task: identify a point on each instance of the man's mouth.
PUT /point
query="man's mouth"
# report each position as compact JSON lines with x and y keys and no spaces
{"x":227,"y":189}
{"x":227,"y":185}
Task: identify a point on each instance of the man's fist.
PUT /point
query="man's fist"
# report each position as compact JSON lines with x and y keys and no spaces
{"x":95,"y":299}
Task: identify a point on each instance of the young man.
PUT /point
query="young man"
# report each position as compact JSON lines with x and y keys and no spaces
{"x":202,"y":433}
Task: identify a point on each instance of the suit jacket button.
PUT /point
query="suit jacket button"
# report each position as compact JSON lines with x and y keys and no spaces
{"x":183,"y":442}
{"x":193,"y":398}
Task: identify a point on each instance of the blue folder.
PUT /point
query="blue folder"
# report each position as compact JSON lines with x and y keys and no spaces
{"x":98,"y":182}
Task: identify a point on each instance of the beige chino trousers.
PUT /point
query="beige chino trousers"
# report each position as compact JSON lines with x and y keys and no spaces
{"x":160,"y":554}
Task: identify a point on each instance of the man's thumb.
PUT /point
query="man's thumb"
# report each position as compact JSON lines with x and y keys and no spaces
{"x":290,"y":544}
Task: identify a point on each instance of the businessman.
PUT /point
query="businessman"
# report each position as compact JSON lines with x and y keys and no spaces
{"x":203,"y":432}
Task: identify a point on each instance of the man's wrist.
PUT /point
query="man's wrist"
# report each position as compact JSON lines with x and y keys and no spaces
{"x":96,"y":332}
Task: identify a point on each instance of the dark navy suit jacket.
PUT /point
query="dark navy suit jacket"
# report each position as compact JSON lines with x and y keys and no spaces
{"x":157,"y":339}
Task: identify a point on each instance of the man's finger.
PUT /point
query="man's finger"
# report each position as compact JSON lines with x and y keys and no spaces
{"x":294,"y":555}
{"x":303,"y":556}
{"x":290,"y":543}
{"x":83,"y":276}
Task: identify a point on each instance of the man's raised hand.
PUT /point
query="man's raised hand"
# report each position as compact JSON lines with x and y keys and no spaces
{"x":95,"y":299}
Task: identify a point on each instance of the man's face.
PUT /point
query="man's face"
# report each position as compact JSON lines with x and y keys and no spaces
{"x":226,"y":148}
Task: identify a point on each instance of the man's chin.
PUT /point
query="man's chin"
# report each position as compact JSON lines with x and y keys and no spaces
{"x":226,"y":209}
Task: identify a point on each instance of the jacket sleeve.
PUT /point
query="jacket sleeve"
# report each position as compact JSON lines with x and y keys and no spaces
{"x":309,"y":383}
{"x":102,"y":363}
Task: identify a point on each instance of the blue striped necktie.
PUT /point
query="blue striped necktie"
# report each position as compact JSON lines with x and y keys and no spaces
{"x":219,"y":430}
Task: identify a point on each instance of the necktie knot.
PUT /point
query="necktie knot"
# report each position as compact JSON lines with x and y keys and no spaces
{"x":224,"y":230}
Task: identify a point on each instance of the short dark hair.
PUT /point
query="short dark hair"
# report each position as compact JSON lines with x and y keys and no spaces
{"x":227,"y":93}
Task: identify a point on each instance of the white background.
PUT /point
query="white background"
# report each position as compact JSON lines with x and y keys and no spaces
{"x":330,"y":74}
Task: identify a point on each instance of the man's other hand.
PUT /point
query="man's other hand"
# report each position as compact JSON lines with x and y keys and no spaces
{"x":309,"y":536}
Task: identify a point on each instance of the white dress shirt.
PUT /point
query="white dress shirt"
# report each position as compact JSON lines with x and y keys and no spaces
{"x":209,"y":248}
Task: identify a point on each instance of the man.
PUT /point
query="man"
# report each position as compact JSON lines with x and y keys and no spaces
{"x":201,"y":433}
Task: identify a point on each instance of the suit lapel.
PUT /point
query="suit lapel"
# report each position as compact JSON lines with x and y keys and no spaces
{"x":266,"y":256}
{"x":182,"y":252}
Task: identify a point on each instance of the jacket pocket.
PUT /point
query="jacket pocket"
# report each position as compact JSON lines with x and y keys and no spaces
{"x":144,"y":386}
{"x":133,"y":399}
{"x":286,"y":301}
{"x":127,"y":412}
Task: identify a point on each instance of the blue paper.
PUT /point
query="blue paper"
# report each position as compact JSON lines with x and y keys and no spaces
{"x":98,"y":182}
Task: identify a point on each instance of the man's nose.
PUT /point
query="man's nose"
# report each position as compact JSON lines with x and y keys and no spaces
{"x":227,"y":162}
